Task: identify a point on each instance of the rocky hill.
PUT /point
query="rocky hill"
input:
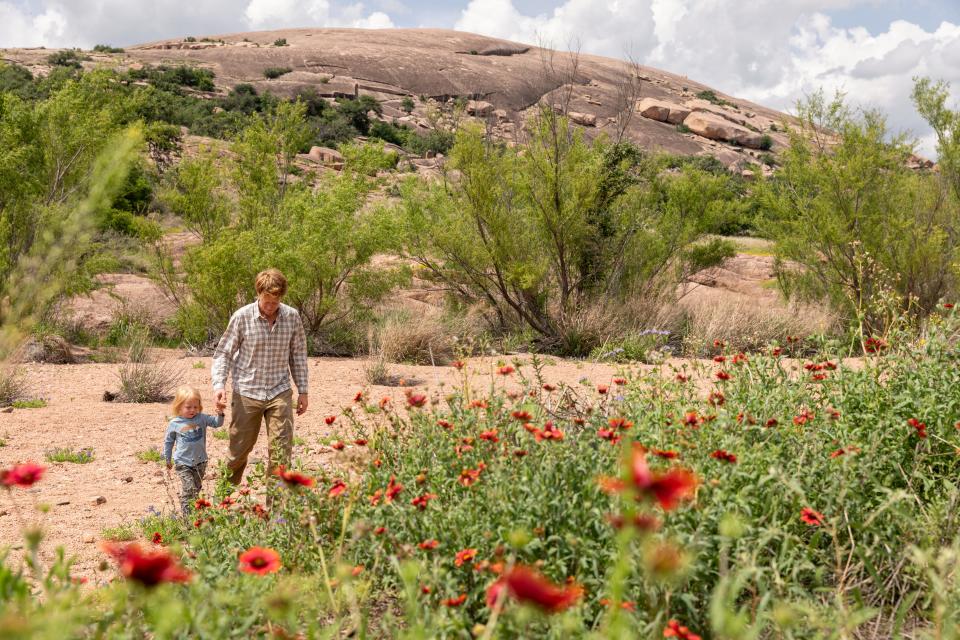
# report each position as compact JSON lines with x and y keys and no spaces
{"x":502,"y":80}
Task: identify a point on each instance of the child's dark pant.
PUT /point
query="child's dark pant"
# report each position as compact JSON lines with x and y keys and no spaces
{"x":191,"y":481}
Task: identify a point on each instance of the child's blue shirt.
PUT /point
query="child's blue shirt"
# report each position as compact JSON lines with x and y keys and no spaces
{"x":186,"y":440}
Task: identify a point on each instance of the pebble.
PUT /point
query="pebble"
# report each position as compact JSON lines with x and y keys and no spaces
{"x":6,"y":410}
{"x":63,"y":502}
{"x":127,"y":479}
{"x":89,"y":538}
{"x":95,"y":500}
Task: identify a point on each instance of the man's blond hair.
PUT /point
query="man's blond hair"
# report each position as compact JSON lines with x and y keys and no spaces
{"x":183,"y":394}
{"x":271,"y":281}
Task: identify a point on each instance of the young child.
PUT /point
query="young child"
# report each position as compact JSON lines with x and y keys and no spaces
{"x":186,"y":443}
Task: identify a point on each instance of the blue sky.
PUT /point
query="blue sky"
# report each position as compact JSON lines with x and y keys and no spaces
{"x":770,"y":51}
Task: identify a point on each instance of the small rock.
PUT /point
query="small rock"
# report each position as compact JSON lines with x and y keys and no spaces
{"x":109,"y":396}
{"x":63,"y":503}
{"x":89,"y":538}
{"x":4,"y":512}
{"x":6,"y":410}
{"x":95,"y":500}
{"x":128,"y":479}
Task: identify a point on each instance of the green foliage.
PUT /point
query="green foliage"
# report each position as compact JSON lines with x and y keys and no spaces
{"x":106,"y":48}
{"x":712,"y":97}
{"x":34,"y":403}
{"x":67,"y":58}
{"x":407,"y":104}
{"x":174,"y":76}
{"x":322,"y":238}
{"x":65,"y":454}
{"x":356,"y":111}
{"x":150,"y":455}
{"x":879,"y":242}
{"x":543,"y":236}
{"x":119,"y":533}
{"x":276,"y":72}
{"x":368,"y":158}
{"x":766,"y":142}
{"x":280,"y":42}
{"x":17,"y":80}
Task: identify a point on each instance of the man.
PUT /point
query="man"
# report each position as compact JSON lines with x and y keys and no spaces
{"x":264,"y":345}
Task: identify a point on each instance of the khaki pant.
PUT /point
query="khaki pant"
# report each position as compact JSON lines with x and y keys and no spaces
{"x":245,"y":416}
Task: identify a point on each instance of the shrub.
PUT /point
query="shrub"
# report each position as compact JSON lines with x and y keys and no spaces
{"x":144,"y":382}
{"x":682,"y":128}
{"x":65,"y":454}
{"x":13,"y":387}
{"x":280,"y":42}
{"x":435,"y":141}
{"x":105,"y":48}
{"x":150,"y":455}
{"x":35,"y":403}
{"x":712,"y":97}
{"x":66,"y":58}
{"x":407,"y":104}
{"x":119,"y":533}
{"x":766,"y":142}
{"x":276,"y":72}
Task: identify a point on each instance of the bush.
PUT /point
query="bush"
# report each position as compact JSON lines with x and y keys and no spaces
{"x":65,"y":454}
{"x":144,"y":382}
{"x":13,"y":387}
{"x":280,"y":42}
{"x":66,"y":58}
{"x":276,"y":72}
{"x":766,"y":142}
{"x":150,"y":455}
{"x":407,"y":104}
{"x":105,"y":48}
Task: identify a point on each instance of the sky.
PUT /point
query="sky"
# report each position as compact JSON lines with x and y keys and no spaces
{"x":773,"y":52}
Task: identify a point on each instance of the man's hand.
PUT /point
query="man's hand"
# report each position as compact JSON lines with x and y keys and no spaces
{"x":220,"y":398}
{"x":302,"y":403}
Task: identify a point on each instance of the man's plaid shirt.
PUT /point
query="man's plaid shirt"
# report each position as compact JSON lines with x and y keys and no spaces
{"x":260,"y":357}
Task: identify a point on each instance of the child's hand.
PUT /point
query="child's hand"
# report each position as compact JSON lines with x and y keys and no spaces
{"x":221,"y":406}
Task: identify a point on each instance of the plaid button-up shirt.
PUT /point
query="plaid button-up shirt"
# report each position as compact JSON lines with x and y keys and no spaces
{"x":260,"y":357}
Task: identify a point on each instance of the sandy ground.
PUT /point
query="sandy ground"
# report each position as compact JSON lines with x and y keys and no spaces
{"x":76,"y":417}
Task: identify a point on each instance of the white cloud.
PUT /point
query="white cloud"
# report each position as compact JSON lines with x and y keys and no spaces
{"x":21,"y":29}
{"x":773,"y":53}
{"x":272,"y":14}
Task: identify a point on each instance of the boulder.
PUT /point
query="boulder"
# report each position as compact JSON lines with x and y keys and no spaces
{"x":583,"y":119}
{"x":479,"y":108}
{"x":662,"y":110}
{"x":325,"y":155}
{"x":501,"y":115}
{"x":713,"y":127}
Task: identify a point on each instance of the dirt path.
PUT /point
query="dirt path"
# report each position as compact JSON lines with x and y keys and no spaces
{"x":76,"y":417}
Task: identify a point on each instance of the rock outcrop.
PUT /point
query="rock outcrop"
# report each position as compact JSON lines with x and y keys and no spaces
{"x":662,"y":110}
{"x":713,"y":127}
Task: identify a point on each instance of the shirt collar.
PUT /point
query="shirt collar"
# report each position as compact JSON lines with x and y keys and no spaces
{"x":259,"y":314}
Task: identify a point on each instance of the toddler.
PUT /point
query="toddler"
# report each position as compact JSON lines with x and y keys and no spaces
{"x":186,"y":443}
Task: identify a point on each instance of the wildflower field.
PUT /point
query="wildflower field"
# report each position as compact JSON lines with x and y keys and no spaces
{"x":781,"y":494}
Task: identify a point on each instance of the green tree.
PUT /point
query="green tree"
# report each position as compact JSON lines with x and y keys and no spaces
{"x":853,"y":225}
{"x":541,"y":235}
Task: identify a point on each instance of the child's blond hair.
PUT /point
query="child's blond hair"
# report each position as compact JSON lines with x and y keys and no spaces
{"x":185,"y":393}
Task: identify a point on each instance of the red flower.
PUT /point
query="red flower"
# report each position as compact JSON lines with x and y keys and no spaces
{"x":157,"y":538}
{"x":528,"y":586}
{"x":549,"y":432}
{"x":608,"y":434}
{"x":293,"y":478}
{"x":259,"y":561}
{"x":505,"y":370}
{"x":464,"y":555}
{"x":680,"y":377}
{"x":393,"y":489}
{"x":692,"y":419}
{"x":920,"y":427}
{"x":776,"y":351}
{"x":358,"y":397}
{"x":666,"y":454}
{"x":619,"y":423}
{"x":640,"y":522}
{"x":478,"y":404}
{"x":772,"y":422}
{"x":667,"y":488}
{"x":803,"y":417}
{"x":458,"y":364}
{"x":469,"y":476}
{"x":811,"y":517}
{"x":428,"y":545}
{"x":522,"y":416}
{"x":716,"y":398}
{"x":149,"y":568}
{"x":337,"y":488}
{"x":338,"y":445}
{"x":626,"y":605}
{"x":948,"y":305}
{"x":519,"y":453}
{"x":549,"y":387}
{"x":22,"y":475}
{"x":446,"y":424}
{"x":722,"y":376}
{"x":740,"y":358}
{"x":201,"y":504}
{"x":421,"y":501}
{"x":719,"y":359}
{"x":675,"y":630}
{"x":844,"y":450}
{"x":330,"y":419}
{"x":602,"y":389}
{"x":875,"y":345}
{"x":490,"y":436}
{"x":360,"y":442}
{"x":620,"y":381}
{"x":416,"y":400}
{"x":720,"y":454}
{"x":379,"y":531}
{"x":357,"y":570}
{"x":455,"y":602}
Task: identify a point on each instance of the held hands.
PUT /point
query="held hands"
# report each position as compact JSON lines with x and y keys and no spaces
{"x":302,"y":402}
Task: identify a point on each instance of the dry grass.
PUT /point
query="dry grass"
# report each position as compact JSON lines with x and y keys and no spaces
{"x":145,"y":382}
{"x":13,"y":387}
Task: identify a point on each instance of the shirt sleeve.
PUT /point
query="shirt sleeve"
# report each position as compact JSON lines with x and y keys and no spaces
{"x":298,"y":356}
{"x":168,"y":441}
{"x":226,"y":348}
{"x":214,"y":421}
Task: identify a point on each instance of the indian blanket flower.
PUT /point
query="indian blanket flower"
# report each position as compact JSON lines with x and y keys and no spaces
{"x":446,"y":424}
{"x":676,"y":630}
{"x":416,"y":400}
{"x":549,"y":387}
{"x":24,"y":475}
{"x":919,"y":427}
{"x":723,"y":455}
{"x":148,"y":568}
{"x":666,"y":488}
{"x":505,"y":370}
{"x":740,"y":358}
{"x":200,"y":504}
{"x":620,"y":381}
{"x":772,"y":422}
{"x":464,"y":555}
{"x":722,"y":375}
{"x":549,"y":432}
{"x":875,"y":345}
{"x":619,"y":423}
{"x":719,"y":359}
{"x":602,"y":389}
{"x":157,"y":538}
{"x":428,"y":545}
{"x":519,"y":453}
{"x":665,"y":454}
{"x":360,"y":442}
{"x":455,"y":602}
{"x":692,"y":419}
{"x":527,"y":586}
{"x":259,"y":561}
{"x":802,"y":418}
{"x":420,"y":502}
{"x":458,"y":364}
{"x":293,"y":478}
{"x":811,"y":517}
{"x":608,"y":434}
{"x":522,"y":416}
{"x":716,"y":398}
{"x":490,"y":436}
{"x":393,"y":489}
{"x":640,"y":522}
{"x":337,"y":488}
{"x":330,"y":420}
{"x":379,"y":531}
